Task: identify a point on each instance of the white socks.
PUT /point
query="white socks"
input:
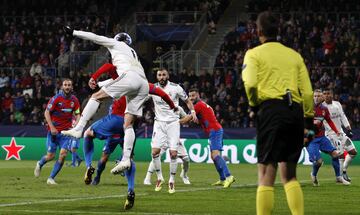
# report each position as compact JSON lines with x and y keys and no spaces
{"x":150,"y":170}
{"x":157,"y":166}
{"x":185,"y":165}
{"x":347,"y":162}
{"x":173,"y":167}
{"x":128,"y":142}
{"x":88,"y":112}
{"x":341,"y":161}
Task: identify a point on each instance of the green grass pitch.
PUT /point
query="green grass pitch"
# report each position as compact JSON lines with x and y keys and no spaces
{"x":21,"y":193}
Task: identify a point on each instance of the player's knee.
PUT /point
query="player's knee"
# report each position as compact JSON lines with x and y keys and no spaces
{"x":173,"y":154}
{"x":89,"y":133}
{"x":155,"y":152}
{"x":50,"y":156}
{"x":98,"y":95}
{"x":214,"y":154}
{"x":334,"y":154}
{"x":319,"y":162}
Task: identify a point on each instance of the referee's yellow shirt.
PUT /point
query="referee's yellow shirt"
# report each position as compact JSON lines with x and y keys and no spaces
{"x":272,"y":68}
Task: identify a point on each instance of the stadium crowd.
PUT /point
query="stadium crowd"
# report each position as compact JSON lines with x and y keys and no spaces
{"x":212,"y":8}
{"x":328,"y":42}
{"x":329,"y":45}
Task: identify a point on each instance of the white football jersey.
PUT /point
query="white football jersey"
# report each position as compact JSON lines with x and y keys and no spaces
{"x":123,"y":56}
{"x":337,"y":116}
{"x":162,"y":110}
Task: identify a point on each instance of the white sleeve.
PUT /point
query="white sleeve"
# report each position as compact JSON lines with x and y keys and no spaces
{"x":343,"y":118}
{"x":181,"y":92}
{"x":182,"y":113}
{"x":100,"y":40}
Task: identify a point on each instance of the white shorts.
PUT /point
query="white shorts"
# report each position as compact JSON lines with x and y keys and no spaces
{"x":134,"y":87}
{"x":181,"y":151}
{"x":166,"y":134}
{"x":341,"y":142}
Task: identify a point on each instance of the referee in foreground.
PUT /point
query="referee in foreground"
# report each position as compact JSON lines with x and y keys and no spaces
{"x":277,"y":85}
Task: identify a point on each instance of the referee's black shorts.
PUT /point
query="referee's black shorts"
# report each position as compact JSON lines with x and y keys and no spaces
{"x":280,"y":132}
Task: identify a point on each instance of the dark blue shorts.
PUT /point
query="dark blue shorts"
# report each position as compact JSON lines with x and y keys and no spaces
{"x":111,"y":143}
{"x":317,"y":144}
{"x":108,"y":126}
{"x":57,"y":141}
{"x":216,"y":139}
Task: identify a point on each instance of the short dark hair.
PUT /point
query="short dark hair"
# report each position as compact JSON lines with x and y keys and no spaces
{"x":267,"y":23}
{"x":194,"y":90}
{"x":328,"y":89}
{"x":67,"y":79}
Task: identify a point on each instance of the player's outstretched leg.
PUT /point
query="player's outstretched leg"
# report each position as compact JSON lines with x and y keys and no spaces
{"x":130,"y":176}
{"x":89,"y":110}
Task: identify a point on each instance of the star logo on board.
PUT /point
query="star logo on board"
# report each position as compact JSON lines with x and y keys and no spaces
{"x":13,"y":150}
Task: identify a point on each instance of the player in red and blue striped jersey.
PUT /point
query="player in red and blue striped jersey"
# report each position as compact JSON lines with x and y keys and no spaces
{"x":59,"y":114}
{"x":211,"y":127}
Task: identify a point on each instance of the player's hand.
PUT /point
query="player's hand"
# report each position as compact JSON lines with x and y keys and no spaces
{"x":54,"y":131}
{"x":194,"y":117}
{"x":92,"y":83}
{"x":68,"y":30}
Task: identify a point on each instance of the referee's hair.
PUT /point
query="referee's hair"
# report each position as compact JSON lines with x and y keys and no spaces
{"x":267,"y":23}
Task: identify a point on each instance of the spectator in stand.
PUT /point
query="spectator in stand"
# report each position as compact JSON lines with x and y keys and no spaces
{"x":7,"y":107}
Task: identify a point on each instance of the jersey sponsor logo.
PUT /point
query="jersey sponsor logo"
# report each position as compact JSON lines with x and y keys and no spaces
{"x":66,"y":110}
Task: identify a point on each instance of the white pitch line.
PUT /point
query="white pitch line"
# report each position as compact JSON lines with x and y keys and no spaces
{"x":141,"y":194}
{"x":91,"y":212}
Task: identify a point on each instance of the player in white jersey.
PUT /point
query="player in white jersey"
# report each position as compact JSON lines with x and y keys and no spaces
{"x":167,"y":127}
{"x":343,"y":141}
{"x":182,"y":154}
{"x":130,"y":81}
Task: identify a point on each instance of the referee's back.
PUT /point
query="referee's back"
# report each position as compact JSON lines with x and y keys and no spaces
{"x":272,"y":68}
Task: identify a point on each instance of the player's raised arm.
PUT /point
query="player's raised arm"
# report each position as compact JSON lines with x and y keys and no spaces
{"x":100,"y":40}
{"x":106,"y":68}
{"x":153,"y":90}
